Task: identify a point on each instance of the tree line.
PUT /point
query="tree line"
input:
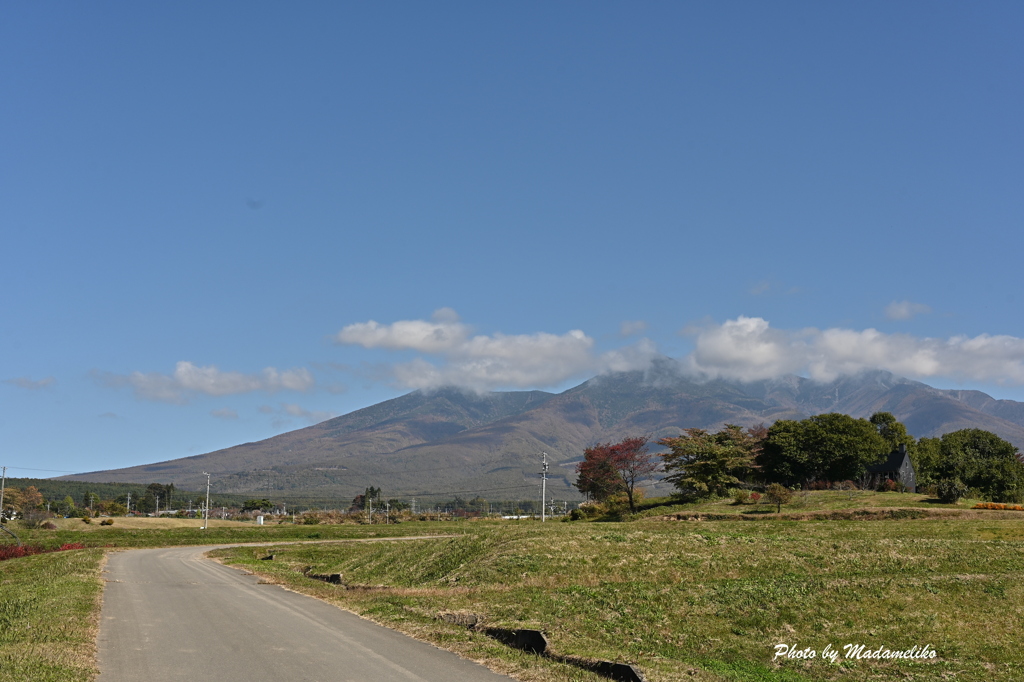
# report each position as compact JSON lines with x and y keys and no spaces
{"x":818,"y":451}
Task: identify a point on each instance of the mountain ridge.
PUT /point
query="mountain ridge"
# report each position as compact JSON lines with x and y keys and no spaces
{"x":453,"y":441}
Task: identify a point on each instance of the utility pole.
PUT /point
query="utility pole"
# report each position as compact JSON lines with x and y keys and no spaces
{"x":158,"y":506}
{"x":414,"y":506}
{"x":543,"y":486}
{"x":3,"y":484}
{"x":206,"y":510}
{"x":128,"y":504}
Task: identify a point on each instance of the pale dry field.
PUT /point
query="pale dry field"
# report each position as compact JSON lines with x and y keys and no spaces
{"x":147,"y":523}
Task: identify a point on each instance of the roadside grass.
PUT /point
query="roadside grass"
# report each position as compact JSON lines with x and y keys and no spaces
{"x":696,"y":600}
{"x":49,"y":612}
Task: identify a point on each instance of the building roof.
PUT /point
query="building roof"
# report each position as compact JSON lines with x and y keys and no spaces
{"x":894,"y":462}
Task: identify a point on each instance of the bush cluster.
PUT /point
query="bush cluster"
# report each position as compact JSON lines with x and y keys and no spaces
{"x":18,"y":551}
{"x":950,"y":490}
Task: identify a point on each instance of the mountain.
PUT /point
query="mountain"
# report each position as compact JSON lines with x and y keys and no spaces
{"x":450,"y":442}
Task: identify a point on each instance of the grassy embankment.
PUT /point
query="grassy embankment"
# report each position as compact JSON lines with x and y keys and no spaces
{"x":804,"y":504}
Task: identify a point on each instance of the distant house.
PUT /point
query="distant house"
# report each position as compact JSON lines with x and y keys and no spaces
{"x":897,"y":467}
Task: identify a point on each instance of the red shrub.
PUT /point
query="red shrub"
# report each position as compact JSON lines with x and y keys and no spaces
{"x":16,"y":552}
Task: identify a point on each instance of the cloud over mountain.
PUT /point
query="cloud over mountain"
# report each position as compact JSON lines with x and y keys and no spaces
{"x":749,"y":349}
{"x":484,"y":362}
{"x":189,"y":379}
{"x":443,"y":333}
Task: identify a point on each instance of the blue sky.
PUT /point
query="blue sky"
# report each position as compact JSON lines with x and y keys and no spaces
{"x":223,"y":221}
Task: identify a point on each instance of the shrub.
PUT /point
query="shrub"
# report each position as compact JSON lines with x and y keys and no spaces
{"x":86,"y":519}
{"x":778,"y":494}
{"x":740,"y":496}
{"x":48,"y":525}
{"x":107,"y":522}
{"x":950,"y":490}
{"x":18,"y":551}
{"x":755,"y":497}
{"x":310,"y":519}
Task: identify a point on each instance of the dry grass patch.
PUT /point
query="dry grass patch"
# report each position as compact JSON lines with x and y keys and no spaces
{"x":145,"y":523}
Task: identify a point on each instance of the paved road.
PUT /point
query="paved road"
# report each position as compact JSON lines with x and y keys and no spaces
{"x":169,"y":614}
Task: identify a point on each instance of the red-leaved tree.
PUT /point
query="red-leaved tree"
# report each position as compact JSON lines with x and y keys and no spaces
{"x":631,"y":459}
{"x":611,"y":468}
{"x":597,"y":477}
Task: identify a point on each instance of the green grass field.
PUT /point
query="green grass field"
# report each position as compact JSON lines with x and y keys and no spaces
{"x":49,"y":611}
{"x":685,"y":600}
{"x":700,"y":600}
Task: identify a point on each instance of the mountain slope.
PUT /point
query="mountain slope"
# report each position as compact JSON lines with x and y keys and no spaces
{"x":451,"y":442}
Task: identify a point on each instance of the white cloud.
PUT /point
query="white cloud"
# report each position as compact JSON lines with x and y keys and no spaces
{"x":485,"y":362}
{"x":311,"y":416}
{"x":444,"y":332}
{"x":293,"y":410}
{"x":632,"y":327}
{"x":31,"y":385}
{"x":904,"y":310}
{"x":224,"y":413}
{"x":189,"y":379}
{"x":748,"y":349}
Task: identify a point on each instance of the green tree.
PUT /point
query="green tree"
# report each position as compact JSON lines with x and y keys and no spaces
{"x":984,"y":462}
{"x":926,"y":457}
{"x":257,"y":505}
{"x":782,"y":456}
{"x":398,"y":505}
{"x":145,"y":504}
{"x":778,"y":495}
{"x":370,"y":495}
{"x":894,"y":432}
{"x":832,"y":447}
{"x":710,"y":464}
